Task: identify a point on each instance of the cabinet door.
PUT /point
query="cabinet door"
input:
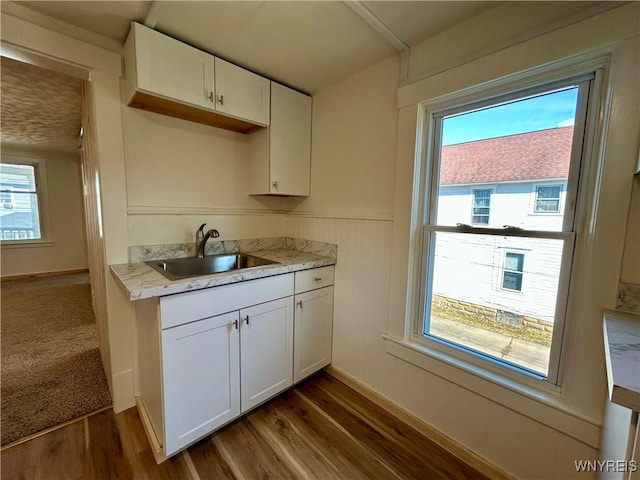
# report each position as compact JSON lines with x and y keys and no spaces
{"x":200,"y":363}
{"x":172,"y":69}
{"x":266,"y":356}
{"x":290,"y":146}
{"x":241,"y":93}
{"x":313,"y":331}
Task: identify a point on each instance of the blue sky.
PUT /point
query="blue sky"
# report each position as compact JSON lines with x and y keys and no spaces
{"x":545,"y":111}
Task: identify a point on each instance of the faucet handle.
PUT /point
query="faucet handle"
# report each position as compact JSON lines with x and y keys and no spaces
{"x":201,"y":229}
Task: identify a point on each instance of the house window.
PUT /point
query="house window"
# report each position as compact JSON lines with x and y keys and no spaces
{"x":481,"y":206}
{"x":514,"y":139}
{"x":20,"y":217}
{"x":547,"y":199}
{"x":513,"y":271}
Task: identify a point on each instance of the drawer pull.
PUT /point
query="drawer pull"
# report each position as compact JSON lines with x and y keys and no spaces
{"x":317,"y":279}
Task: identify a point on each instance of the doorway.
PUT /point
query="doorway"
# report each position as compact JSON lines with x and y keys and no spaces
{"x":52,"y":370}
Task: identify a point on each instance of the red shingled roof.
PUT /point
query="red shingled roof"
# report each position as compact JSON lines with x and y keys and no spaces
{"x":525,"y":156}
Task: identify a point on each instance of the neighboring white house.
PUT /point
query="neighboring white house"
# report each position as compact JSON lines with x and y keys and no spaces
{"x":517,"y":180}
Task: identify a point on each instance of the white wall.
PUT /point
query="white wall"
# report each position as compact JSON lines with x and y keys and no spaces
{"x":354,"y":147}
{"x":116,"y":324}
{"x":631,"y":259}
{"x":523,"y":435}
{"x":66,"y":227}
{"x":181,"y":174}
{"x":507,"y":24}
{"x":360,"y":177}
{"x":352,"y":184}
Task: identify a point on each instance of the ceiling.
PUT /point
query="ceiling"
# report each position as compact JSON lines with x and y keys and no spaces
{"x":304,"y":44}
{"x":40,"y":108}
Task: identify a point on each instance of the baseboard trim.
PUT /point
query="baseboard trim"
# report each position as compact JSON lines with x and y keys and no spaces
{"x":459,"y":451}
{"x":156,"y":447}
{"x":26,"y":276}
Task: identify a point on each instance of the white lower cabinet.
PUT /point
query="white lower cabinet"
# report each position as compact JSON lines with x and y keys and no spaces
{"x":313,"y":332}
{"x":207,"y":356}
{"x":216,"y":368}
{"x":201,"y":378}
{"x":313,"y":324}
{"x":266,"y":353}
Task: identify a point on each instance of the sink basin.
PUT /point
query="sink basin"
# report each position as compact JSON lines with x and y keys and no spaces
{"x":177,"y":268}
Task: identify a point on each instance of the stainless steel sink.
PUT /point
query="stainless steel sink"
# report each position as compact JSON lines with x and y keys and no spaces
{"x":177,"y":268}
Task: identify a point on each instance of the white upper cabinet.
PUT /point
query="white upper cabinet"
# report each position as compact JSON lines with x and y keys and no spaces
{"x":242,"y":94}
{"x":280,"y":156}
{"x":172,"y":69}
{"x":167,"y":76}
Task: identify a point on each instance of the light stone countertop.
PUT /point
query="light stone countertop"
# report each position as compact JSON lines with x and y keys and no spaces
{"x":139,"y":280}
{"x":622,"y":352}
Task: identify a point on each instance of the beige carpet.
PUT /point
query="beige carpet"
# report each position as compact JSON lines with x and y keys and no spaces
{"x":51,"y":367}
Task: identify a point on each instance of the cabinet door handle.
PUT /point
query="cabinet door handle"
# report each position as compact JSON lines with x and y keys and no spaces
{"x":246,"y":319}
{"x":235,"y":324}
{"x":275,"y":184}
{"x":211,"y":96}
{"x":317,"y":279}
{"x":300,"y":304}
{"x":221,"y":99}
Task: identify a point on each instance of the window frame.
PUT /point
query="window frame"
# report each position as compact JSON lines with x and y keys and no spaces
{"x":546,"y":79}
{"x":473,"y":198}
{"x":509,"y":270}
{"x":561,"y":195}
{"x":42,"y":195}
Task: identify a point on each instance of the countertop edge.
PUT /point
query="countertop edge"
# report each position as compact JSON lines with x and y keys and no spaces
{"x":619,"y":324}
{"x":139,"y":281}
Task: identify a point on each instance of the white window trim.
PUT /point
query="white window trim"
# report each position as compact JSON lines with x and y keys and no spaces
{"x":534,"y":195}
{"x":453,"y":104}
{"x":43,"y":202}
{"x":504,"y":269}
{"x":524,"y":395}
{"x":491,"y":195}
{"x":462,"y":370}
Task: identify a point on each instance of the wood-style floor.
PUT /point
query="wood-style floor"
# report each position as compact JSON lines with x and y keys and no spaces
{"x":321,"y":429}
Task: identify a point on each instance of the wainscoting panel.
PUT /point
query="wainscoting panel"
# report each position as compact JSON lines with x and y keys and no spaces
{"x":504,"y":437}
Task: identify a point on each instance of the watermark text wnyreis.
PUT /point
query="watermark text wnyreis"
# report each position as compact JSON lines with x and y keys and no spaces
{"x":606,"y":465}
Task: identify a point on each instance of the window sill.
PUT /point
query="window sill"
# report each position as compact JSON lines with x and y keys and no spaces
{"x":25,"y":243}
{"x":542,"y":405}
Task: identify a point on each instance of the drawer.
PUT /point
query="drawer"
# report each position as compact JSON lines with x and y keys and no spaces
{"x":189,"y":306}
{"x":314,"y":278}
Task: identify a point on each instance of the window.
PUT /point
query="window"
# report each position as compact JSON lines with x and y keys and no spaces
{"x":20,"y":217}
{"x":547,"y":199}
{"x":514,"y":140}
{"x":512,"y":272}
{"x":481,"y":206}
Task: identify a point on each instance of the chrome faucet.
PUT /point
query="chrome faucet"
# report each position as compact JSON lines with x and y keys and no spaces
{"x":201,"y":239}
